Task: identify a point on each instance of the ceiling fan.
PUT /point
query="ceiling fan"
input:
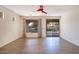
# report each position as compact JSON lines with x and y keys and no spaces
{"x":41,"y":9}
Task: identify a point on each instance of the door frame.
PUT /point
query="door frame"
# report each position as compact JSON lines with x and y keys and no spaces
{"x":53,"y":20}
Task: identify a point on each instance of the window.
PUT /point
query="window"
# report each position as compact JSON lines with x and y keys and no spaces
{"x":32,"y":26}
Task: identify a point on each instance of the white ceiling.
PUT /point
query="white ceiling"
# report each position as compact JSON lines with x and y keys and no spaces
{"x":52,"y":10}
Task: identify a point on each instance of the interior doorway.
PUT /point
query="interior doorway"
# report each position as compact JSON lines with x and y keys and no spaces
{"x":52,"y":28}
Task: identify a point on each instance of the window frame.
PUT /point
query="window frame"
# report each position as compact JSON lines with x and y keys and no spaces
{"x":29,"y":29}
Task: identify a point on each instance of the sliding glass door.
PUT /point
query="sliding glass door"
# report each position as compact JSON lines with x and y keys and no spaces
{"x":52,"y":27}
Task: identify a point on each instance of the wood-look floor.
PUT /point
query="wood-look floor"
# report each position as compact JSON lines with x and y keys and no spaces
{"x":48,"y":45}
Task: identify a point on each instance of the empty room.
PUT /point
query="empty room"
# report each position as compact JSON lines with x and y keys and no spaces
{"x":39,"y":29}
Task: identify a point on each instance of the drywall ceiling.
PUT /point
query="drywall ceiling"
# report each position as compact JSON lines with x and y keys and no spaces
{"x":52,"y":10}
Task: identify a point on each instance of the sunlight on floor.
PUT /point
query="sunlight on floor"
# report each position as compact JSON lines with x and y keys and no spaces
{"x":51,"y":43}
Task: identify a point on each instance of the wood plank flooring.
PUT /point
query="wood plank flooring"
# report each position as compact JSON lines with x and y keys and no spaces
{"x":48,"y":45}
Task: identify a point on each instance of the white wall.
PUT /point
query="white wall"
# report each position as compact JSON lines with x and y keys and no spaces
{"x":31,"y":34}
{"x":9,"y":30}
{"x":69,"y":26}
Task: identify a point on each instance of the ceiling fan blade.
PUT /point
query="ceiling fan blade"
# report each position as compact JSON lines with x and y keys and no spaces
{"x":41,"y":9}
